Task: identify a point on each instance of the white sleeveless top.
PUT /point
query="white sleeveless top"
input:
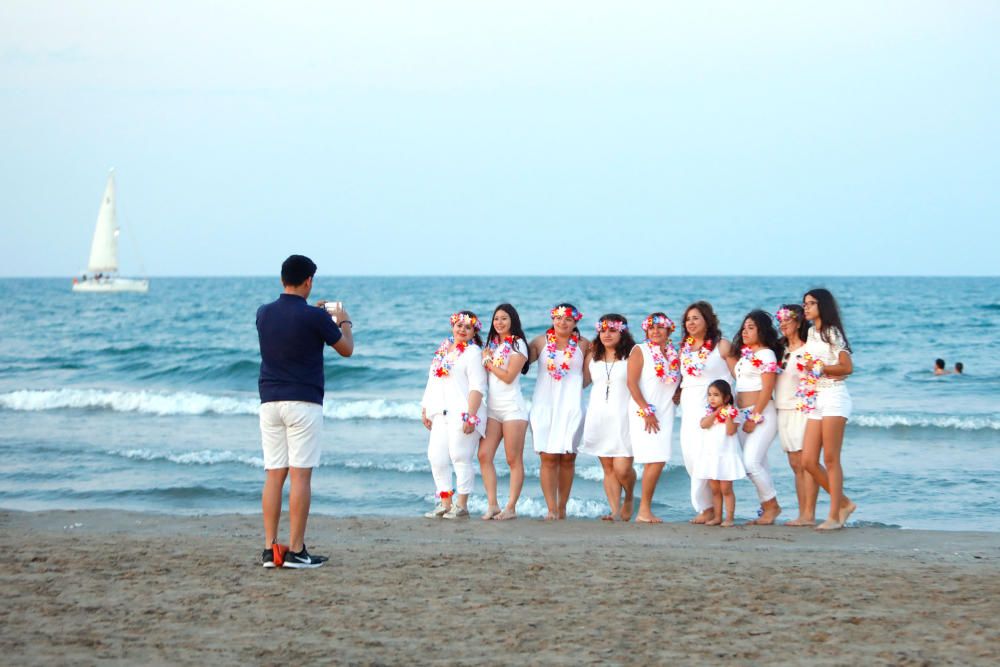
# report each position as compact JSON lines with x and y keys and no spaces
{"x":653,"y":447}
{"x":828,"y":353}
{"x":556,"y":406}
{"x":655,"y":391}
{"x":715,"y":368}
{"x":788,"y":379}
{"x":749,"y":369}
{"x":605,"y":431}
{"x":502,"y":392}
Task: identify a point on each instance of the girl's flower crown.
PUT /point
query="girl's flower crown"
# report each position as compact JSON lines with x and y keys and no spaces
{"x":658,"y":320}
{"x":466,"y":319}
{"x":611,"y":325}
{"x":785,"y":314}
{"x":564,"y":311}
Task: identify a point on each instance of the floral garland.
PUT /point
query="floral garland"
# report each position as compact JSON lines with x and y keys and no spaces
{"x":559,"y":370}
{"x":726,"y":411}
{"x":500,"y":352}
{"x":611,"y":325}
{"x":805,"y":394}
{"x":564,"y":311}
{"x":658,"y":321}
{"x":784,"y":314}
{"x":694,"y":367}
{"x":758,"y":363}
{"x":666,"y":363}
{"x":444,"y":360}
{"x":466,"y":319}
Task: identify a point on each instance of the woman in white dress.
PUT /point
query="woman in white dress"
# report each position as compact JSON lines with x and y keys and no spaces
{"x":452,"y":409}
{"x":703,"y":356}
{"x":826,"y":400}
{"x":505,"y":359}
{"x":755,"y":353}
{"x":653,"y":374}
{"x":556,"y":415}
{"x":605,"y":430}
{"x":791,"y":421}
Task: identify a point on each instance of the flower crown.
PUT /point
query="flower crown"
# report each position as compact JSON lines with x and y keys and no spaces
{"x":611,"y":325}
{"x":785,"y":314}
{"x":566,"y":311}
{"x":658,"y":320}
{"x":466,"y":319}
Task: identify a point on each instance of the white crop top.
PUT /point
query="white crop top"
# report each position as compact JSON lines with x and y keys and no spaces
{"x":751,"y":366}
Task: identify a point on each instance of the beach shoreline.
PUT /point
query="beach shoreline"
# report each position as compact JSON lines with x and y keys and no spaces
{"x":109,"y":586}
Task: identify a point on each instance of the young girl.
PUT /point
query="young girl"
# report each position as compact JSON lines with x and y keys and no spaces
{"x":825,"y":399}
{"x":719,"y":460}
{"x":556,"y":414}
{"x":703,"y":359}
{"x":755,"y":368}
{"x":505,"y":360}
{"x":792,"y":422}
{"x":606,"y":426}
{"x":452,"y":410}
{"x":653,"y":373}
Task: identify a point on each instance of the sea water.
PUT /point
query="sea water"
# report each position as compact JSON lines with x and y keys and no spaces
{"x":149,"y":402}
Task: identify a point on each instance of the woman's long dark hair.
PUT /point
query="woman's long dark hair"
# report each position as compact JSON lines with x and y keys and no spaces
{"x":475,"y":334}
{"x":564,"y":304}
{"x":515,"y":328}
{"x":711,"y":322}
{"x":766,"y":335}
{"x":625,"y":343}
{"x":829,"y":314}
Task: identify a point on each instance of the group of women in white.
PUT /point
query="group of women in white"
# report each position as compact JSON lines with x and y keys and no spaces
{"x":735,"y":398}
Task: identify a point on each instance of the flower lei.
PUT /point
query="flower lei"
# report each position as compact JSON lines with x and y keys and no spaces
{"x":666,"y":363}
{"x":564,"y":311}
{"x":750,"y":355}
{"x":694,"y":362}
{"x":500,"y":352}
{"x":559,"y":370}
{"x":466,"y":319}
{"x":444,"y":360}
{"x":805,"y":395}
{"x":658,"y":320}
{"x":727,"y":411}
{"x":610,"y":325}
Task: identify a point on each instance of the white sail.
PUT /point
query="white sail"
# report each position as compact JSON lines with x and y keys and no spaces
{"x":104,"y":247}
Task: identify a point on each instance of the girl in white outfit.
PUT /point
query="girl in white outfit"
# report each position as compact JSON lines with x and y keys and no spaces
{"x":719,"y":460}
{"x":606,"y":426}
{"x":791,"y":421}
{"x":653,"y":373}
{"x":703,"y":360}
{"x":825,"y":399}
{"x":556,"y":415}
{"x":505,"y":359}
{"x":755,"y":370}
{"x":452,"y":409}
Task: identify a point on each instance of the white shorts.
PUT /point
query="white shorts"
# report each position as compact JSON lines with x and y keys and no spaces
{"x":832,"y":401}
{"x":290,"y":434}
{"x":506,"y":411}
{"x":791,"y":429}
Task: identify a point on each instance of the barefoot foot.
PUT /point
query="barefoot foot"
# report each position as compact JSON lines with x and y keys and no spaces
{"x":830,"y":524}
{"x":728,"y":523}
{"x":647,"y":518}
{"x":846,"y":512}
{"x":551,"y":516}
{"x":491,"y":512}
{"x":801,"y":522}
{"x":627,"y":508}
{"x":703,"y":516}
{"x":767,"y":516}
{"x":507,"y":514}
{"x":713,"y":522}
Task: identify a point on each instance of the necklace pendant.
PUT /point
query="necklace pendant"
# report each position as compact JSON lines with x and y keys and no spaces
{"x":607,"y":393}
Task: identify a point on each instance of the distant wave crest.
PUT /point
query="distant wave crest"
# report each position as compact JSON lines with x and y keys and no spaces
{"x":188,"y":403}
{"x":959,"y":423}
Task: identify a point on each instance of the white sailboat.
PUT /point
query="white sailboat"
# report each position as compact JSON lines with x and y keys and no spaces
{"x":102,"y":269}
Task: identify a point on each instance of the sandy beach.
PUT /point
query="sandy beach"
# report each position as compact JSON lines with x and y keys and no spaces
{"x":105,"y":587}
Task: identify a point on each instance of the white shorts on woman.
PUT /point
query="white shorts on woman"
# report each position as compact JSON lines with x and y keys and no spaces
{"x":832,"y":401}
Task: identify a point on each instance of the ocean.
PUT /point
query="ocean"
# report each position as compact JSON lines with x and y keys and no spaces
{"x":149,"y":402}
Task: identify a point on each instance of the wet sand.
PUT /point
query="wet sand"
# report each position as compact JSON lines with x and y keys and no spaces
{"x":106,"y":587}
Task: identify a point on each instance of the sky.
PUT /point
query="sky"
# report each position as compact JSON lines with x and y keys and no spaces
{"x":537,"y":138}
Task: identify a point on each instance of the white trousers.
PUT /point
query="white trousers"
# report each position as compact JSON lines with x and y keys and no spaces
{"x":692,"y":435}
{"x":450,"y":448}
{"x":755,"y":446}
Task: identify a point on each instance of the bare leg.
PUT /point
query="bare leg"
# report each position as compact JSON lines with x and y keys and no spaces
{"x":549,"y":477}
{"x":513,"y":445}
{"x":299,"y":498}
{"x":612,"y":489}
{"x":567,"y":469}
{"x":716,"y":487}
{"x":487,"y":452}
{"x":805,"y":490}
{"x":726,"y":489}
{"x":833,"y":441}
{"x":812,"y":445}
{"x":270,"y":502}
{"x":650,"y":476}
{"x":626,"y":477}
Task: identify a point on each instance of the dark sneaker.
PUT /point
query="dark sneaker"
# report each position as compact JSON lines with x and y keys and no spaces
{"x":267,"y":558}
{"x":302,"y":560}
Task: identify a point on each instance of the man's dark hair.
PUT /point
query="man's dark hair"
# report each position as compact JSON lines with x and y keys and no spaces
{"x":959,"y":367}
{"x":939,"y":363}
{"x":296,"y":270}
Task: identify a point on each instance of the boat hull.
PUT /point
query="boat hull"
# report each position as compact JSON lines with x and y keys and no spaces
{"x":112,"y":285}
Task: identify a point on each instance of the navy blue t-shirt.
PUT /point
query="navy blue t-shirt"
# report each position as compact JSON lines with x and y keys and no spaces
{"x":292,"y":336}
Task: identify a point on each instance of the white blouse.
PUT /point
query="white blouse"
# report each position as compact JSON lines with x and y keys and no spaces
{"x":450,"y":394}
{"x":788,"y":380}
{"x":828,"y":353}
